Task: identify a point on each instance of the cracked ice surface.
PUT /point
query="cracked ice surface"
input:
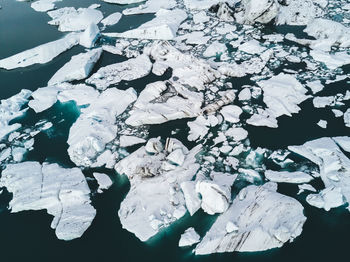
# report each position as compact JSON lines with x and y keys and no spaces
{"x":155,"y":200}
{"x":96,"y":126}
{"x":262,"y":219}
{"x":63,"y":192}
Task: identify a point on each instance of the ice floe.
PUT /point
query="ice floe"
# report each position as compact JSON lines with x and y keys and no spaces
{"x":131,"y":69}
{"x":164,"y":26}
{"x":40,"y":54}
{"x":155,"y":199}
{"x":79,"y":67}
{"x":189,"y":238}
{"x":334,"y":170}
{"x":96,"y":126}
{"x":63,"y":192}
{"x":262,"y":219}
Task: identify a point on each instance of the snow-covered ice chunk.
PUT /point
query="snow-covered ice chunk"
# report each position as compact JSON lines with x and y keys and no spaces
{"x":333,"y":164}
{"x":252,"y":47}
{"x":231,"y":113}
{"x":89,"y":36}
{"x":79,"y":67}
{"x":40,"y":54}
{"x":189,"y":238}
{"x":63,"y":192}
{"x":328,"y":198}
{"x":192,"y":200}
{"x":104,"y":181}
{"x":154,"y":201}
{"x":70,"y":19}
{"x":297,"y":177}
{"x":264,"y":219}
{"x":131,"y":69}
{"x":44,"y":5}
{"x":126,"y":141}
{"x":151,"y":6}
{"x":96,"y":126}
{"x":10,"y":109}
{"x":164,"y":26}
{"x":112,"y":19}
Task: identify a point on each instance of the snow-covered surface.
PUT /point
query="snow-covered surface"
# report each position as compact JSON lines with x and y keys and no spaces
{"x":189,"y":238}
{"x":89,"y":36}
{"x":44,"y":5}
{"x":79,"y":67}
{"x":96,"y":126}
{"x":297,"y":177}
{"x":131,"y":69}
{"x":153,"y":202}
{"x":264,"y":219}
{"x":71,"y":19}
{"x":164,"y":26}
{"x":63,"y":192}
{"x":334,"y":170}
{"x":104,"y":181}
{"x":40,"y":54}
{"x":10,"y":109}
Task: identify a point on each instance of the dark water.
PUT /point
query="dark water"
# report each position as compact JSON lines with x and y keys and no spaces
{"x":26,"y":236}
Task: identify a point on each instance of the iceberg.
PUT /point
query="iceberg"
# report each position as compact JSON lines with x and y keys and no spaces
{"x":96,"y":126}
{"x":10,"y":109}
{"x":63,"y":192}
{"x":44,"y":5}
{"x":155,"y":200}
{"x":189,"y":238}
{"x":89,"y":36}
{"x":129,"y":70}
{"x":262,"y":219}
{"x":297,"y":177}
{"x":70,"y":19}
{"x":164,"y":26}
{"x":79,"y":67}
{"x":151,"y":6}
{"x":104,"y":182}
{"x":112,"y":19}
{"x":40,"y":54}
{"x":334,"y":170}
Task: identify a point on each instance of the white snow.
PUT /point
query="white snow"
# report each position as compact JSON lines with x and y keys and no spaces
{"x":64,"y":193}
{"x":96,"y":126}
{"x":189,"y":238}
{"x":79,"y":67}
{"x":40,"y":54}
{"x":263,"y":219}
{"x":70,"y":19}
{"x":89,"y":36}
{"x":131,"y":69}
{"x":153,"y":202}
{"x":112,"y":19}
{"x":297,"y":177}
{"x":164,"y":26}
{"x":104,"y":181}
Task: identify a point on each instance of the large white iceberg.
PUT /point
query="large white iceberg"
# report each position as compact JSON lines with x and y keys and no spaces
{"x":63,"y":192}
{"x":155,"y":200}
{"x":164,"y":26}
{"x":96,"y":126}
{"x":79,"y":67}
{"x":258,"y":219}
{"x":131,"y":69}
{"x":40,"y":54}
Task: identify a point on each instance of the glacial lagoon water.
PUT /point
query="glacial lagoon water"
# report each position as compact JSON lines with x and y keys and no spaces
{"x":26,"y":236}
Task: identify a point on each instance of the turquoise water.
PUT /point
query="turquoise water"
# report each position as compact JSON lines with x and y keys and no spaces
{"x":26,"y":236}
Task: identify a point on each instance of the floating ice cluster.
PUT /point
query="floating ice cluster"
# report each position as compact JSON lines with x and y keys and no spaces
{"x":208,"y":48}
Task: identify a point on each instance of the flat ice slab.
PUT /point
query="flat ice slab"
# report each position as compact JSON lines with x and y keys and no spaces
{"x":63,"y":192}
{"x":40,"y":54}
{"x":258,"y":219}
{"x":79,"y":67}
{"x":164,"y":26}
